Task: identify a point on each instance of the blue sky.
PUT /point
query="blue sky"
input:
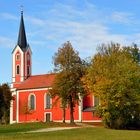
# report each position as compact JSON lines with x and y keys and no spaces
{"x":50,"y":23}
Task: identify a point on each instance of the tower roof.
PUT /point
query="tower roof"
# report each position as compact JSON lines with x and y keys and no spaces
{"x":22,"y":41}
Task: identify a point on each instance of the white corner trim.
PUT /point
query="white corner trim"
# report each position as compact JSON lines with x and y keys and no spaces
{"x":93,"y":100}
{"x":22,"y":67}
{"x":13,"y":68}
{"x":13,"y":90}
{"x":80,"y":109}
{"x":11,"y":112}
{"x":17,"y":106}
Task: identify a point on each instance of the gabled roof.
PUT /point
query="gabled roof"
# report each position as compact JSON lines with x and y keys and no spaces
{"x":22,"y":41}
{"x":37,"y":81}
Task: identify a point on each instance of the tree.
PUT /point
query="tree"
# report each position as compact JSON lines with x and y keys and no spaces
{"x":1,"y":103}
{"x":114,"y":77}
{"x":68,"y":84}
{"x":59,"y":90}
{"x":134,"y":51}
{"x":5,"y":99}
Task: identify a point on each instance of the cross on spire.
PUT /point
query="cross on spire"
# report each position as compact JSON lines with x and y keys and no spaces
{"x":21,"y":9}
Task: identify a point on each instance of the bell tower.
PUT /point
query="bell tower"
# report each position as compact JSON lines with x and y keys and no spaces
{"x":21,"y":56}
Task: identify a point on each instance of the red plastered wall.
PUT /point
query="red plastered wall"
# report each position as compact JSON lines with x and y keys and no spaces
{"x":88,"y":101}
{"x":57,"y":112}
{"x":88,"y":116}
{"x":17,"y":62}
{"x":24,"y":113}
{"x":39,"y":114}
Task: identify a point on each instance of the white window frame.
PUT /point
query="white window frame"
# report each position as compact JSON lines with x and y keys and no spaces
{"x":29,"y":105}
{"x":46,"y":101}
{"x":18,"y":57}
{"x":16,"y":70}
{"x":45,"y":116}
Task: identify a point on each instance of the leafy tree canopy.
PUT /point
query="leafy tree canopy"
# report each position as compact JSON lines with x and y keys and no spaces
{"x":5,"y":98}
{"x":114,"y":77}
{"x":68,"y":83}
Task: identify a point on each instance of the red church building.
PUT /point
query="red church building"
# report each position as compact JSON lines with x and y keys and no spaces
{"x":32,"y":101}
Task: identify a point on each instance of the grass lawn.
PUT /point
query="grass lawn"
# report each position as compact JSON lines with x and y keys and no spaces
{"x":11,"y":132}
{"x":7,"y":129}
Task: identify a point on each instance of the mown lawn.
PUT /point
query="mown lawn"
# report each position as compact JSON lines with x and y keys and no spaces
{"x":14,"y":128}
{"x":12,"y":132}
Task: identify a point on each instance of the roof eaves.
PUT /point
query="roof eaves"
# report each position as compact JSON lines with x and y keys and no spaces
{"x":33,"y":88}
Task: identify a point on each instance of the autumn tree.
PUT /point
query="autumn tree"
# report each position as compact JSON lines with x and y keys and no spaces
{"x":133,"y":50}
{"x":59,"y":91}
{"x":68,"y":84}
{"x":114,"y":77}
{"x":5,"y":99}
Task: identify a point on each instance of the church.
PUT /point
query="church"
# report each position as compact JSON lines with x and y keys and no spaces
{"x":32,"y":101}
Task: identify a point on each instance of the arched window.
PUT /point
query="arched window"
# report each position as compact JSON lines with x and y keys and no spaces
{"x":28,"y":70}
{"x":32,"y":102}
{"x":17,"y":69}
{"x":47,"y":101}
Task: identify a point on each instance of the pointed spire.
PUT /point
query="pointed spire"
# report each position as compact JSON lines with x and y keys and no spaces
{"x":22,"y":42}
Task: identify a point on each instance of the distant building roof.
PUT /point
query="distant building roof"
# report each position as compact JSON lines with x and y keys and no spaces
{"x":37,"y":81}
{"x":89,"y":109}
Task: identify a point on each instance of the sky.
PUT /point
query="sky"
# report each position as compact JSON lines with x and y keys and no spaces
{"x":50,"y":23}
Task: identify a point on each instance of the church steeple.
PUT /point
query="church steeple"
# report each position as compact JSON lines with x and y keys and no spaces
{"x":22,"y":56}
{"x":22,"y":41}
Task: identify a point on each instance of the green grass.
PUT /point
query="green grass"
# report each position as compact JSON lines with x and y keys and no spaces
{"x":28,"y":126}
{"x":98,"y":133}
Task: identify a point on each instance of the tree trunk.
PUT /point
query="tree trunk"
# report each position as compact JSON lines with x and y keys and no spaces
{"x":64,"y":114}
{"x":71,"y":110}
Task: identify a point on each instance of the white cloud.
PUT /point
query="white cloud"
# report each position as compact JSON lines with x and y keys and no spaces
{"x":8,"y":16}
{"x":86,"y":28}
{"x":6,"y":42}
{"x":123,"y":17}
{"x":35,"y":21}
{"x":86,"y":36}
